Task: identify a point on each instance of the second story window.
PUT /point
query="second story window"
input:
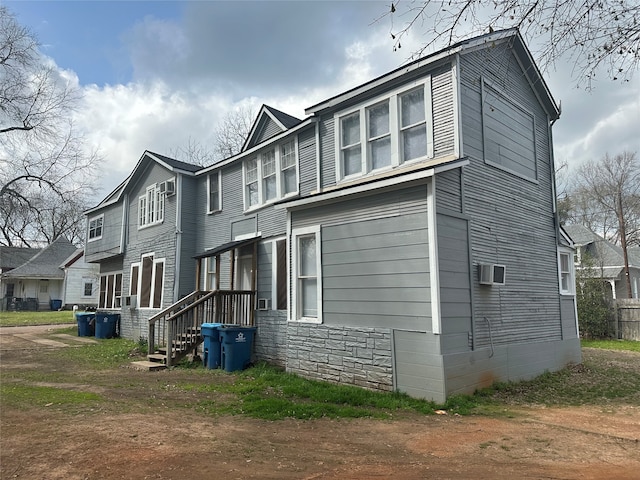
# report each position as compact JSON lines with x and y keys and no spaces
{"x":271,"y":175}
{"x":214,"y":192}
{"x":151,"y":206}
{"x":384,"y":133}
{"x":95,"y":228}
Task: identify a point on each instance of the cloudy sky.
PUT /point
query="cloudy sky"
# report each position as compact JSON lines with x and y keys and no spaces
{"x":159,"y":75}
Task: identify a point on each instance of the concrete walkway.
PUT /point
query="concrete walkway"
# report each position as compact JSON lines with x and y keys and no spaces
{"x":28,"y":337}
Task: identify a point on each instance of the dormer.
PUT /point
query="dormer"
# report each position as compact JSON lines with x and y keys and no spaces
{"x":269,"y":122}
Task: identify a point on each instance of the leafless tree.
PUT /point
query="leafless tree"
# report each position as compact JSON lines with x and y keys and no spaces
{"x":193,"y":152}
{"x":612,"y":185}
{"x":42,"y":157}
{"x":592,"y":34}
{"x":231,"y":133}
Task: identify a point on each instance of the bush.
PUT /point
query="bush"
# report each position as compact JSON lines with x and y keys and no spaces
{"x":595,"y":313}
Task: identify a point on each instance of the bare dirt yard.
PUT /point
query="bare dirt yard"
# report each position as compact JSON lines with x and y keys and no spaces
{"x":141,"y":432}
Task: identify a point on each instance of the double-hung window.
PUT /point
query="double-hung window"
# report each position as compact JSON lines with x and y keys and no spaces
{"x":270,"y":175}
{"x":151,"y":206}
{"x":385,"y":133}
{"x":269,"y":180}
{"x":565,"y":267}
{"x":95,"y":228}
{"x":307,"y":304}
{"x":214,"y":192}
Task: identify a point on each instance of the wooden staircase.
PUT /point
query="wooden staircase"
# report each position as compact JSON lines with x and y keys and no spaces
{"x":175,"y":332}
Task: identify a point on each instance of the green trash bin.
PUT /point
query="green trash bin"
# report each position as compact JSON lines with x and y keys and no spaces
{"x":86,"y":324}
{"x":237,"y":346}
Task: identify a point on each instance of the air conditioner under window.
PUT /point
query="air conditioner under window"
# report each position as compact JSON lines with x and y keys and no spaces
{"x":491,"y":274}
{"x":131,"y":301}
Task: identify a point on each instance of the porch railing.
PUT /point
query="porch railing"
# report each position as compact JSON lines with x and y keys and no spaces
{"x":178,"y":326}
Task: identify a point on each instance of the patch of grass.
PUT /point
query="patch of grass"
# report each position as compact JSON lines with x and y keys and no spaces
{"x":44,"y":317}
{"x":628,"y":345}
{"x":29,"y":395}
{"x":107,"y":353}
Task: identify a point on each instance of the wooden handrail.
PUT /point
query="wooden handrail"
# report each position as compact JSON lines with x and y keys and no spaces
{"x":179,"y":324}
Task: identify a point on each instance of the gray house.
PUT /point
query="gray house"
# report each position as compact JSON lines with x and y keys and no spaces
{"x":598,"y":256}
{"x":402,"y":236}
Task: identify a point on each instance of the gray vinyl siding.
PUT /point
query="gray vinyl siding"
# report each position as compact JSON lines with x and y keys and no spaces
{"x":418,"y":365}
{"x":448,"y":188}
{"x":455,"y":284}
{"x":109,"y":244}
{"x":328,"y":151}
{"x":188,"y":232}
{"x":268,"y":130}
{"x":443,"y":116}
{"x":512,"y":218}
{"x":375,"y":259}
{"x":307,"y":161}
{"x":111,"y":265}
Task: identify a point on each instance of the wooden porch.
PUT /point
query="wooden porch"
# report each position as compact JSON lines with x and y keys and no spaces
{"x":175,"y":332}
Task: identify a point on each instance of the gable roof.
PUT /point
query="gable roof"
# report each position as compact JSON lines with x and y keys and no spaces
{"x":169,"y":163}
{"x":268,"y":118}
{"x":511,"y":35}
{"x":12,"y":257}
{"x":608,"y":254}
{"x":46,"y":263}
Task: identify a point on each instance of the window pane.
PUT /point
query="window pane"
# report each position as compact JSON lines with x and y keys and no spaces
{"x":350,"y":130}
{"x":252,"y":170}
{"x":307,"y":249}
{"x":88,"y":289}
{"x":412,"y":105}
{"x":287,"y":155}
{"x":414,"y":142}
{"x":145,"y":286}
{"x":289,"y":180}
{"x":103,"y":291}
{"x":379,"y":120}
{"x":252,"y":193}
{"x":269,"y":187}
{"x":309,"y":297}
{"x":352,"y":160}
{"x":133,"y":284}
{"x":564,"y":263}
{"x":381,"y":153}
{"x":214,"y":198}
{"x":268,"y":163}
{"x":281,"y":274}
{"x":158,"y":285}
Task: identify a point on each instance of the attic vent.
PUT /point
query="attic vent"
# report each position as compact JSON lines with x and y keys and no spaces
{"x":491,"y":274}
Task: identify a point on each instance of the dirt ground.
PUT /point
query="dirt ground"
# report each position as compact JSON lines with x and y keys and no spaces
{"x":159,"y":442}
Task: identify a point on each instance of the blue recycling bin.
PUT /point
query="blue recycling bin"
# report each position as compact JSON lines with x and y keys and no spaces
{"x":86,"y":324}
{"x":237,"y":345}
{"x":211,"y":348}
{"x":106,"y":325}
{"x":55,"y":305}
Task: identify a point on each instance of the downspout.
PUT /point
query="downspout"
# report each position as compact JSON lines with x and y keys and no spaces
{"x":178,"y":243}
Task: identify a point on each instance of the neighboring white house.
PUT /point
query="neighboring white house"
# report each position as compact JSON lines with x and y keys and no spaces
{"x":81,"y":281}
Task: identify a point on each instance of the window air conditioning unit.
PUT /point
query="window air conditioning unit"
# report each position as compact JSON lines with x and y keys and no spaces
{"x":131,"y":301}
{"x":168,"y":187}
{"x":491,"y":274}
{"x":263,"y":304}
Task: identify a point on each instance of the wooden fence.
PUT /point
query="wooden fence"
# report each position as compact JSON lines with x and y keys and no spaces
{"x":628,"y":316}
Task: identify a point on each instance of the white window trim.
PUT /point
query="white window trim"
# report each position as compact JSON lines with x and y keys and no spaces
{"x":572,"y":272}
{"x":277,"y":148}
{"x":152,"y":288}
{"x":144,"y":220}
{"x":97,"y":237}
{"x":209,"y":209}
{"x":114,"y":300}
{"x":208,"y":262}
{"x":131,"y":267}
{"x":87,"y":281}
{"x":394,"y":130}
{"x":293,"y":248}
{"x":274,"y":273}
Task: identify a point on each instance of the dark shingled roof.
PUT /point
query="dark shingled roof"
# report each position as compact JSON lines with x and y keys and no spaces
{"x":12,"y":257}
{"x":287,"y":120}
{"x":46,"y":263}
{"x":189,"y":167}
